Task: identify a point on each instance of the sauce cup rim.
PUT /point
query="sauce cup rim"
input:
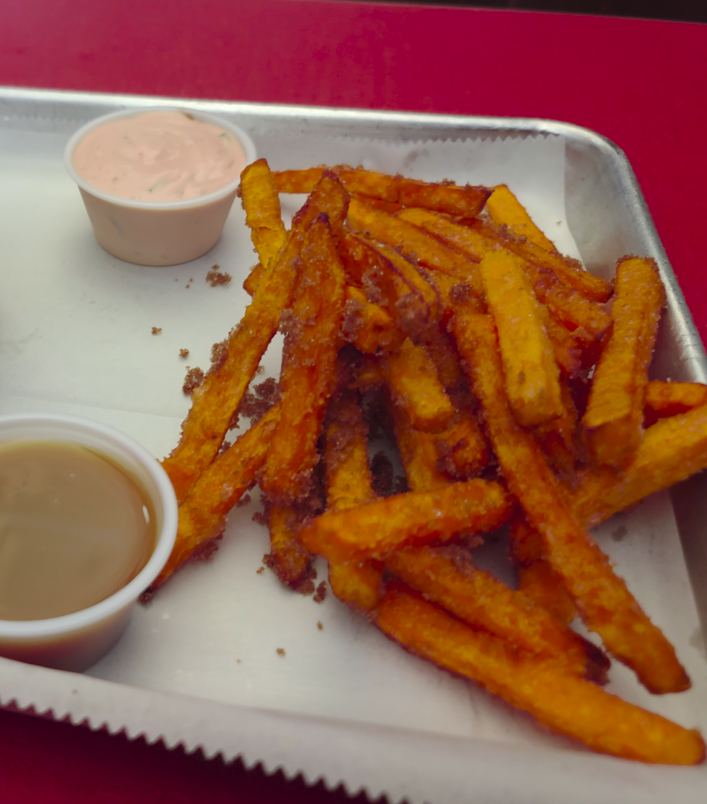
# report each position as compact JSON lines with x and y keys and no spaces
{"x":167,"y":206}
{"x":165,"y":538}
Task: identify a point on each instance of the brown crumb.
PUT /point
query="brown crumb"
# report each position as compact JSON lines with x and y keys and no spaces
{"x":255,"y":405}
{"x":260,"y":370}
{"x":156,"y":330}
{"x":193,"y":379}
{"x":280,"y":651}
{"x":260,"y":570}
{"x":184,"y":353}
{"x":244,"y":500}
{"x":216,"y":277}
{"x":319,"y":625}
{"x":188,"y":285}
{"x":219,"y":352}
{"x":320,"y":594}
{"x":238,"y":661}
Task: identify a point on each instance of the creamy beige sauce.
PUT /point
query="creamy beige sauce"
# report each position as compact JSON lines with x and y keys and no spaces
{"x":74,"y":529}
{"x":160,"y":157}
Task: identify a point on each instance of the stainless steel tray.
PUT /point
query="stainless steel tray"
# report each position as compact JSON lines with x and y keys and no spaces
{"x":608,"y":218}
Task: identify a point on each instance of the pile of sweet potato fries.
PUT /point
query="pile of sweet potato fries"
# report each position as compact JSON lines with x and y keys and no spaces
{"x":516,"y":386}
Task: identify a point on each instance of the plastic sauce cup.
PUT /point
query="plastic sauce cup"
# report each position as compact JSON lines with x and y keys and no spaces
{"x":157,"y":233}
{"x":78,"y":640}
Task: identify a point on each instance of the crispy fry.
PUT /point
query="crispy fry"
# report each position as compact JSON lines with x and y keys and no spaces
{"x":506,"y":210}
{"x":261,"y":203}
{"x":348,"y":484}
{"x":461,"y":448}
{"x":418,"y":453}
{"x":532,"y":378}
{"x":445,"y":197}
{"x":570,"y":705}
{"x":413,"y":243}
{"x":613,"y":420}
{"x":560,"y":439}
{"x":288,"y":559}
{"x":368,"y":326}
{"x":308,"y":367}
{"x":218,"y":489}
{"x":415,"y":386}
{"x":251,"y":282}
{"x":602,"y":598}
{"x":662,"y":399}
{"x":537,"y":579}
{"x":672,"y":450}
{"x":215,"y":402}
{"x":449,"y":578}
{"x":377,"y":529}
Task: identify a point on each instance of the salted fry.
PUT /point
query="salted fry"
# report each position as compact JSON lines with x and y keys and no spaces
{"x":415,"y":386}
{"x":445,"y":197}
{"x":377,"y":529}
{"x":506,"y":210}
{"x":448,"y":578}
{"x":662,"y":399}
{"x":309,"y":360}
{"x":602,"y":598}
{"x":215,"y":402}
{"x":218,"y":489}
{"x":570,"y":705}
{"x":413,"y":243}
{"x":532,"y":378}
{"x":261,"y":203}
{"x":613,"y":420}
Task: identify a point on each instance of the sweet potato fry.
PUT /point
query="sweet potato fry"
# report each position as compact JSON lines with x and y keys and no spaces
{"x":418,"y":453}
{"x":447,"y":577}
{"x":445,"y":197}
{"x":560,"y":439}
{"x":215,"y":402}
{"x":602,"y":598}
{"x":664,"y":399}
{"x":377,"y":529}
{"x":413,"y":243}
{"x":536,"y":578}
{"x":217,"y":490}
{"x":288,"y":559}
{"x":570,"y":705}
{"x":506,"y":210}
{"x":263,"y":216}
{"x":368,"y":326}
{"x":415,"y":386}
{"x":309,"y":360}
{"x":672,"y":450}
{"x":613,"y":420}
{"x":349,"y":484}
{"x":251,"y":282}
{"x":461,"y":448}
{"x":532,"y":378}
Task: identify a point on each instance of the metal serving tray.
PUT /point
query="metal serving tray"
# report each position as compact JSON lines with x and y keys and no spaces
{"x":76,"y":282}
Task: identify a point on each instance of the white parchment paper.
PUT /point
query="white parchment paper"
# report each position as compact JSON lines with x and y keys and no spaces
{"x":200,"y":664}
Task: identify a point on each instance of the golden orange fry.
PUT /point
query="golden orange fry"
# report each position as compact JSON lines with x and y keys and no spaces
{"x":613,"y":420}
{"x":602,"y":598}
{"x":377,"y":529}
{"x":506,"y":210}
{"x":570,"y":705}
{"x":663,"y":399}
{"x":215,"y":402}
{"x":369,"y":327}
{"x":532,"y":377}
{"x":288,"y":559}
{"x":309,"y":361}
{"x":263,"y":216}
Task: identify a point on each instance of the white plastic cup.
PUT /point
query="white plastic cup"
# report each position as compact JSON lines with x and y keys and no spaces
{"x":78,"y":640}
{"x":157,"y":233}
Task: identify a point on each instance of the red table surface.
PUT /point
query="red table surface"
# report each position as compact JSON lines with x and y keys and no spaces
{"x":641,"y":83}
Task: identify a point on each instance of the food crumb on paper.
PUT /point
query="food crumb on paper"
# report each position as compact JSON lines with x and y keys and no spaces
{"x":215,"y":277}
{"x":280,"y":651}
{"x":260,"y":571}
{"x":320,"y":594}
{"x":184,"y":353}
{"x":618,"y":534}
{"x":156,"y":330}
{"x":319,"y":625}
{"x":193,"y":379}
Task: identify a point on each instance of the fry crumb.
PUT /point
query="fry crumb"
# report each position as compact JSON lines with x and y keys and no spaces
{"x":216,"y":277}
{"x":193,"y":379}
{"x":320,"y":594}
{"x":260,"y":570}
{"x":184,"y":353}
{"x":280,"y":651}
{"x":319,"y":625}
{"x":156,"y":330}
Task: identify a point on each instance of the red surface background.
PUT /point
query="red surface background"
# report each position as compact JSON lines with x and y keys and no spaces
{"x":643,"y":84}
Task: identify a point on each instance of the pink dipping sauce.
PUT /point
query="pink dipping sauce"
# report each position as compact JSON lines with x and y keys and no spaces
{"x":159,"y":157}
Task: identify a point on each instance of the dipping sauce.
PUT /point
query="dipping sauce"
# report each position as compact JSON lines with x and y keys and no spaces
{"x":74,"y":529}
{"x":159,"y":157}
